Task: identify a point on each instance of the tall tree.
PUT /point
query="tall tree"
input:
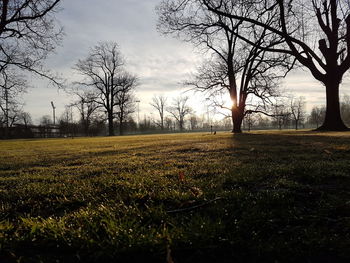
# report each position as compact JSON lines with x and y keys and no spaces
{"x":125,"y":99}
{"x":345,"y":109}
{"x":28,"y":33}
{"x":168,"y":122}
{"x":179,"y":109}
{"x":237,"y":68}
{"x":46,"y":120}
{"x":297,"y":110}
{"x":159,"y":103}
{"x":87,"y":107}
{"x":315,"y":32}
{"x":102,"y":70}
{"x":193,"y":122}
{"x":281,"y":113}
{"x":317,"y":115}
{"x":26,"y":119}
{"x":12,"y":86}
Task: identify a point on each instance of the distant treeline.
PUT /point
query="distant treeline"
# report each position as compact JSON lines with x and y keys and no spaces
{"x":66,"y":126}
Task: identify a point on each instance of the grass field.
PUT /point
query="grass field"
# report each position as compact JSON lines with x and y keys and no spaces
{"x":258,"y":197}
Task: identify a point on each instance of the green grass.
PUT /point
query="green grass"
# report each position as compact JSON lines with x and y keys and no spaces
{"x":280,"y":197}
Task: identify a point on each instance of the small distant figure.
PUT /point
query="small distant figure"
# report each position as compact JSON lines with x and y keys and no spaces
{"x":211,"y":129}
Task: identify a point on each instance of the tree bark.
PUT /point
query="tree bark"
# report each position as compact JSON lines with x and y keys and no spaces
{"x":110,"y":124}
{"x":121,"y":128}
{"x":121,"y":124}
{"x":237,"y":119}
{"x":333,"y":120}
{"x":181,"y":125}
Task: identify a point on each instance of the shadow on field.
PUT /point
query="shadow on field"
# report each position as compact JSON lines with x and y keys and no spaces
{"x":287,"y":199}
{"x":260,"y":197}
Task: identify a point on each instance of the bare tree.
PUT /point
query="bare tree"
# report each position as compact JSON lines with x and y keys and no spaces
{"x":239,"y":69}
{"x":67,"y":114}
{"x":263,"y":122}
{"x":26,"y":119}
{"x":249,"y":121}
{"x":159,"y":103}
{"x":66,"y":123}
{"x":168,"y":123}
{"x":28,"y":33}
{"x":345,"y":109}
{"x":315,"y":32}
{"x":193,"y":122}
{"x":10,"y":116}
{"x":125,"y":98}
{"x":46,"y":120}
{"x":179,"y":110}
{"x":280,"y":113}
{"x":87,"y":107}
{"x":297,"y":110}
{"x":317,"y":115}
{"x":12,"y":86}
{"x":102,"y":70}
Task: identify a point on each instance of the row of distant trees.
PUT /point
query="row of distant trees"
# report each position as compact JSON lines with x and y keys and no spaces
{"x":284,"y":113}
{"x":293,"y":115}
{"x":173,"y":115}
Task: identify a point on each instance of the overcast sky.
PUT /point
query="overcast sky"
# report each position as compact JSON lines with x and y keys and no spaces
{"x":160,"y":62}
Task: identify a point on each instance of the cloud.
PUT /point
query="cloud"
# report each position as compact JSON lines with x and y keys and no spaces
{"x":159,"y":62}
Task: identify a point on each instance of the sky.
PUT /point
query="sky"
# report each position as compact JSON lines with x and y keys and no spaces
{"x":161,"y":63}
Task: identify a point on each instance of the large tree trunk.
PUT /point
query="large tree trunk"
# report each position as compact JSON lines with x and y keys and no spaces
{"x":87,"y":126}
{"x":237,"y":119}
{"x":333,"y":120}
{"x":279,"y":124}
{"x":121,"y":127}
{"x":181,"y":125}
{"x":110,"y":124}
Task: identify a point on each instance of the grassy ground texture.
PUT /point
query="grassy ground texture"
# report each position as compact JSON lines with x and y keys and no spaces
{"x":257,"y":197}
